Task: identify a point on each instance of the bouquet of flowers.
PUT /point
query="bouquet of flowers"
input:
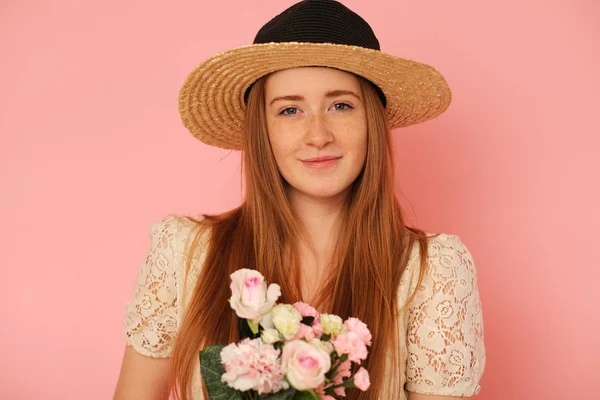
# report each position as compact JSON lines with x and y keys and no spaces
{"x":286,"y":352}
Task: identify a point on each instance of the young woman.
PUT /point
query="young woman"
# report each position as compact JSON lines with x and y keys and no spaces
{"x":310,"y":104}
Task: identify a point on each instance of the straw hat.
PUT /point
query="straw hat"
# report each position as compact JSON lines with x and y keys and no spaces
{"x":310,"y":33}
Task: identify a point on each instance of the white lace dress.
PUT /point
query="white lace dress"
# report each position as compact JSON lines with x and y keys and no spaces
{"x":442,"y":352}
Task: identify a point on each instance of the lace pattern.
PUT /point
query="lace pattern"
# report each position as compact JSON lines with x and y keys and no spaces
{"x":152,"y":317}
{"x":444,"y":331}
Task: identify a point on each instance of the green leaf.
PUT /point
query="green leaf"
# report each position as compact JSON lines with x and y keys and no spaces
{"x":306,"y":395}
{"x":349,"y":383}
{"x":281,"y":395}
{"x":253,"y":326}
{"x":212,"y":369}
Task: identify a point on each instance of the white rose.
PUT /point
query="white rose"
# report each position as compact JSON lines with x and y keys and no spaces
{"x":270,"y":336}
{"x":250,"y":297}
{"x":286,"y":319}
{"x":332,"y":324}
{"x":304,"y":365}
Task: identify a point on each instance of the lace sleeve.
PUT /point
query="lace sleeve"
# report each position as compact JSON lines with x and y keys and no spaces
{"x":152,"y":315}
{"x":446,"y":353}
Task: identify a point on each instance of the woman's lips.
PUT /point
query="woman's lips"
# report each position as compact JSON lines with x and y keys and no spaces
{"x":321,"y":162}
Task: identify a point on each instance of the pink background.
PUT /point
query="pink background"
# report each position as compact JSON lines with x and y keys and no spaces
{"x":92,"y":152}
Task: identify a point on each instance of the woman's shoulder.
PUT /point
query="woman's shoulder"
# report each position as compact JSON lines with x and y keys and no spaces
{"x":440,"y":246}
{"x":449,"y":251}
{"x":178,"y":238}
{"x":448,"y":259}
{"x":177,"y":226}
{"x":177,"y":231}
{"x":444,"y":321}
{"x":154,"y":312}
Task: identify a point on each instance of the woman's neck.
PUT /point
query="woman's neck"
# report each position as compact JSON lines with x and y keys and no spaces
{"x":319,"y":218}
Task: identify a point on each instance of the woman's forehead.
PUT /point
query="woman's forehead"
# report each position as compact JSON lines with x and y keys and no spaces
{"x":309,"y":79}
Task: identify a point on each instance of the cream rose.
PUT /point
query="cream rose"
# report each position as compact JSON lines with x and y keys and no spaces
{"x":304,"y":365}
{"x":250,"y":297}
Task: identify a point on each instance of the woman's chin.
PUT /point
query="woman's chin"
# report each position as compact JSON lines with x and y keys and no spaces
{"x":322,"y":193}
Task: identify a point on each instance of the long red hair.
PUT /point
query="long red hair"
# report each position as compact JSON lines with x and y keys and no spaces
{"x":370,"y":255}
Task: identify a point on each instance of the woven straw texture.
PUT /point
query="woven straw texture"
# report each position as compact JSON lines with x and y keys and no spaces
{"x":211,"y":101}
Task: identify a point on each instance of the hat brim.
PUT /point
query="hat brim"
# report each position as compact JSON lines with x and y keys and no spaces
{"x":211,"y":101}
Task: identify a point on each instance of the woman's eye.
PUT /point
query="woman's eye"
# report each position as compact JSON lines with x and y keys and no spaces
{"x":289,"y":111}
{"x":342,"y":106}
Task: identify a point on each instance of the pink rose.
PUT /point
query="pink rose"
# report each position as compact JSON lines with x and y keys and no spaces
{"x":361,"y":379}
{"x":250,"y":297}
{"x":360,"y":328}
{"x":304,"y":365}
{"x":350,"y":343}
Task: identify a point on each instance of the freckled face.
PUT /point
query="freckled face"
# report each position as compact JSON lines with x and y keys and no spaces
{"x":317,"y":128}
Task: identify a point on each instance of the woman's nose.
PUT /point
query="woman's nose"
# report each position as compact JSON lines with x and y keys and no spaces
{"x":318,"y":133}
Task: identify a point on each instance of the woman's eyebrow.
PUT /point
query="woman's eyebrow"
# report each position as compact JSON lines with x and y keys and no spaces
{"x":293,"y":97}
{"x":336,"y":93}
{"x":331,"y":93}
